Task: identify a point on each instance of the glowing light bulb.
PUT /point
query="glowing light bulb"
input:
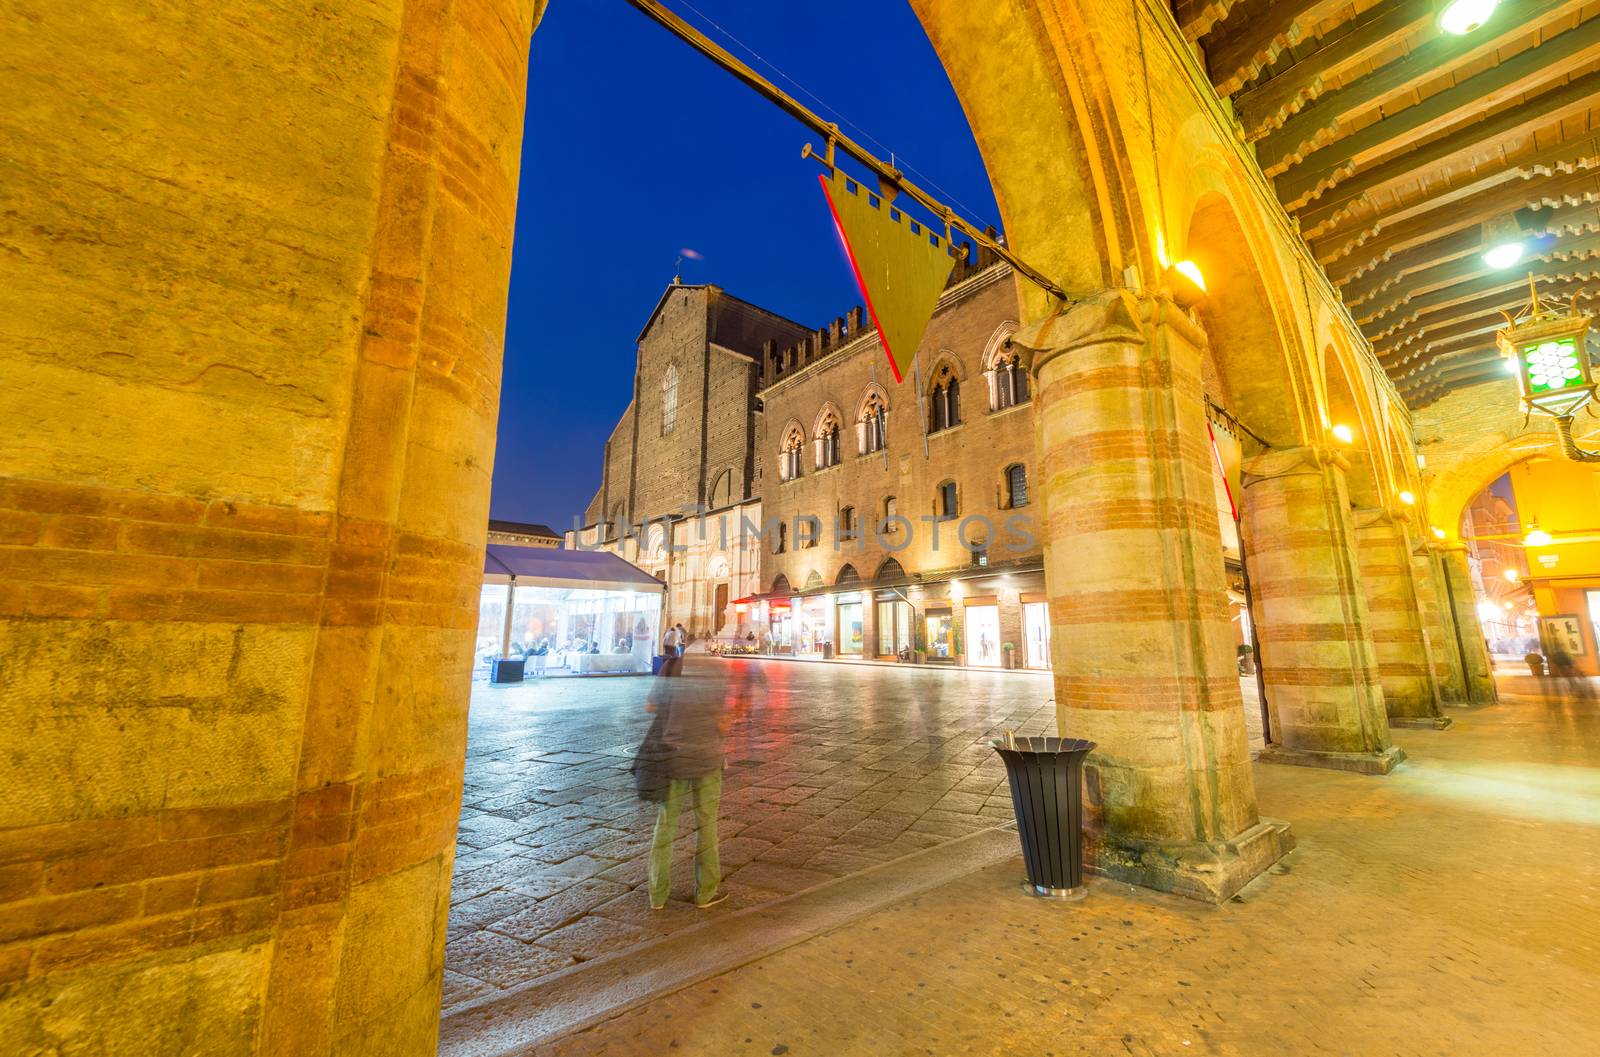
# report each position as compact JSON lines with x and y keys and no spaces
{"x":1507,"y":605}
{"x":1504,"y":255}
{"x":1438,"y":533}
{"x":1191,"y":271}
{"x":1538,"y":538}
{"x":1407,"y":498}
{"x":1512,"y":575}
{"x":1344,"y":434}
{"x":1487,"y":611}
{"x":1464,"y":16}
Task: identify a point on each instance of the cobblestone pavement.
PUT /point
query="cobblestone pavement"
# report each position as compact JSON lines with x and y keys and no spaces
{"x":833,"y":769}
{"x":1450,"y":908}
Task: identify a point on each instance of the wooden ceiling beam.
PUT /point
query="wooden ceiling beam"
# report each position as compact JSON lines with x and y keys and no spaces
{"x":1485,"y":314}
{"x":1265,"y":28}
{"x":1570,"y":100}
{"x":1523,"y":73}
{"x":1392,"y":266}
{"x":1574,"y":151}
{"x":1392,"y":317}
{"x":1471,"y":266}
{"x":1288,"y":91}
{"x":1196,"y":18}
{"x":1322,"y":122}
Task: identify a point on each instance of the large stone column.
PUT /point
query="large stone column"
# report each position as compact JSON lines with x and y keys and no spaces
{"x":1428,"y":576}
{"x":1394,"y":611}
{"x":1140,"y":636}
{"x":1461,"y":604}
{"x":1324,"y":696}
{"x":257,"y":258}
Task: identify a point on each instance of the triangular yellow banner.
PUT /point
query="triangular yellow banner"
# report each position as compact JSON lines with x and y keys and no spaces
{"x":900,"y":265}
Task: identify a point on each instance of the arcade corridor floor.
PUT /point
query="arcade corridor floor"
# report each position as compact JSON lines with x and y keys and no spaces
{"x":1452,"y":907}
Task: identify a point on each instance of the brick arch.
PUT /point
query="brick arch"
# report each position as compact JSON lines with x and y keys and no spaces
{"x":790,"y":428}
{"x":868,"y":391}
{"x":828,"y":407}
{"x":996,"y":345}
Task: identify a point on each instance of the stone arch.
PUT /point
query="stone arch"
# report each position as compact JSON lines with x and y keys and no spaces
{"x":780,"y":585}
{"x":791,"y":429}
{"x":828,"y":408}
{"x":813,"y":580}
{"x":864,"y":399}
{"x":1348,"y":402}
{"x":1255,"y":352}
{"x":889,"y":569}
{"x":721,"y":493}
{"x":945,"y":358}
{"x":997,"y":345}
{"x":847,"y":575}
{"x":719,"y":568}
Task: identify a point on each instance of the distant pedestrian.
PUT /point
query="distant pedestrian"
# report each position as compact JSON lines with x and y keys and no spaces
{"x":683,"y":638}
{"x":669,"y":643}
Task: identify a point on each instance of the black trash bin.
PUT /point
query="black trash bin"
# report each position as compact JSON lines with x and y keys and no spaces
{"x":507,"y":670}
{"x":1046,"y":777}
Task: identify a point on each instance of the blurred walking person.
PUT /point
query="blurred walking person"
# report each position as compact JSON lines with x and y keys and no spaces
{"x":692,"y":714}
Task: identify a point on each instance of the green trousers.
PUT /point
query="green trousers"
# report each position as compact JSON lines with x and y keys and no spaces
{"x":707,"y":791}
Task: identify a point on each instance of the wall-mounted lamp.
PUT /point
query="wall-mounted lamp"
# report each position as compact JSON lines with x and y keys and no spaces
{"x":1463,"y":16}
{"x":1343,"y":434}
{"x":1537,"y":537}
{"x":1438,"y":533}
{"x":1512,"y":575}
{"x":1187,"y":284}
{"x":1408,"y":498}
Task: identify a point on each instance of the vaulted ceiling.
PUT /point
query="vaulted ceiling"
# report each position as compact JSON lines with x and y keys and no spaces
{"x":1405,"y":152}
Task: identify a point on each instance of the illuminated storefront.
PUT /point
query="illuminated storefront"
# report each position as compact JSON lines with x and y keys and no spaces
{"x":851,"y":624}
{"x":566,"y":612}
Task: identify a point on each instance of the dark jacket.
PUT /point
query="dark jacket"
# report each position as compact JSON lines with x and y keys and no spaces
{"x":694,"y":708}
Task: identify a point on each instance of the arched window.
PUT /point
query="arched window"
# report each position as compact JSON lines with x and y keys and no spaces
{"x":794,"y":443}
{"x":888,"y":506}
{"x":780,"y":585}
{"x":814,"y":580}
{"x":1010,"y":380}
{"x":944,"y":400}
{"x":828,"y":441}
{"x":874,"y":425}
{"x":847,"y":575}
{"x":945,"y":505}
{"x":889,"y":570}
{"x":722,"y":490}
{"x":1016,"y":485}
{"x":847,"y":522}
{"x":669,"y":400}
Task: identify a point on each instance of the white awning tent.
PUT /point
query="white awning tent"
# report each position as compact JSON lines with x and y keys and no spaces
{"x":567,"y":611}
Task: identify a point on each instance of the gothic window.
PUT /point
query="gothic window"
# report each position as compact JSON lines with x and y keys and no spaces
{"x":1010,"y":381}
{"x":669,"y":400}
{"x":874,"y":425}
{"x":944,"y":401}
{"x":828,"y":442}
{"x":789,"y":460}
{"x":1016,"y":485}
{"x":722,"y":490}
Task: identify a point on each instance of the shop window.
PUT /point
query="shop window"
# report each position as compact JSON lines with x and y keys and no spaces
{"x":946,"y":505}
{"x":669,"y":400}
{"x":944,"y":401}
{"x":1016,"y":485}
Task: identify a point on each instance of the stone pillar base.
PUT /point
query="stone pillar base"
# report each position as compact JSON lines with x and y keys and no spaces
{"x":1209,"y":871}
{"x":1422,"y":722}
{"x":1359,"y":762}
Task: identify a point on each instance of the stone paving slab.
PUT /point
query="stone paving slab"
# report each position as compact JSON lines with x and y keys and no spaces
{"x":832,"y":771}
{"x":1449,"y":909}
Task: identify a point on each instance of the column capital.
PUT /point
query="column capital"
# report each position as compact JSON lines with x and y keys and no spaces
{"x":1111,"y":315}
{"x":1292,"y":462}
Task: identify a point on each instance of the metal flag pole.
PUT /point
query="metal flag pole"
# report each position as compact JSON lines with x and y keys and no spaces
{"x":922,"y":412}
{"x":890,"y":179}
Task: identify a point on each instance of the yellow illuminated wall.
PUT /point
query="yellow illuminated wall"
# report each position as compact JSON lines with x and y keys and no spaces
{"x":1563,"y":499}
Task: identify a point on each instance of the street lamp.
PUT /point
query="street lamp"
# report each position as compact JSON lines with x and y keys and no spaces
{"x":1546,"y":343}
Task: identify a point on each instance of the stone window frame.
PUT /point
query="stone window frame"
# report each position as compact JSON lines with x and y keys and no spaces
{"x":790,"y":453}
{"x":825,"y":434}
{"x":669,"y":399}
{"x":872,"y":420}
{"x":944,"y":393}
{"x":1008,"y":489}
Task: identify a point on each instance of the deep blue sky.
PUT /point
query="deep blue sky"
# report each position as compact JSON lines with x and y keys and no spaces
{"x":635,"y":146}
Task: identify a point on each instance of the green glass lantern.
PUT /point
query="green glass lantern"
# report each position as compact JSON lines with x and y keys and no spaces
{"x":1546,"y":342}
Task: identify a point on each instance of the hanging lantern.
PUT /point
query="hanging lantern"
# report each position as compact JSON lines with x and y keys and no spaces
{"x":1546,"y":342}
